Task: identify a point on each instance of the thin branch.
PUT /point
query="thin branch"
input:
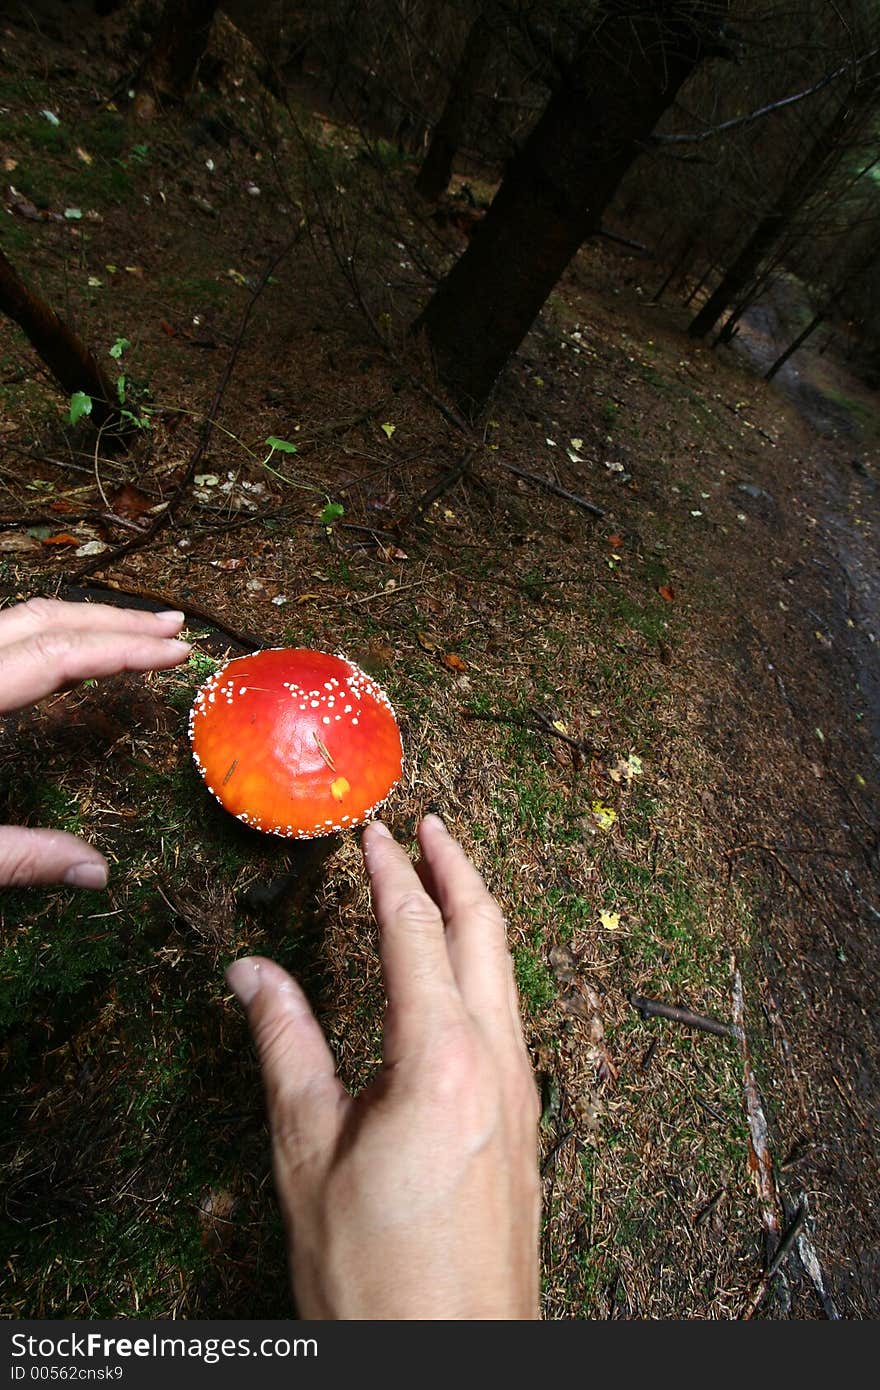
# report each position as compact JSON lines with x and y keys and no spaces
{"x":547,"y":486}
{"x":782,"y":1250}
{"x":536,"y":723}
{"x":440,"y":488}
{"x":695,"y":137}
{"x":652,"y":1008}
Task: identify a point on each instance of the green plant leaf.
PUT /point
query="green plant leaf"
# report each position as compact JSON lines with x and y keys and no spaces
{"x":80,"y":405}
{"x":119,"y":347}
{"x":120,"y":388}
{"x":280,"y":444}
{"x":332,"y":512}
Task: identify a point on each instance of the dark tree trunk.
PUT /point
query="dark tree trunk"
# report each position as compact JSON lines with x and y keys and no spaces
{"x":679,"y":269}
{"x":436,"y":170}
{"x":173,"y":60}
{"x":793,"y":347}
{"x":72,"y":364}
{"x":819,"y":160}
{"x":554,"y":193}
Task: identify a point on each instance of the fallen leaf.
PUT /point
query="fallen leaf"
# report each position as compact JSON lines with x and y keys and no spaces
{"x":388,"y":429}
{"x":91,"y":548}
{"x":609,"y":920}
{"x":129,"y":502}
{"x":83,"y":155}
{"x":229,"y":564}
{"x":9,"y":164}
{"x":615,"y":542}
{"x":666,"y":592}
{"x":605,"y":816}
{"x":576,"y":444}
{"x":559,"y":726}
{"x":61,"y":504}
{"x":426,"y":643}
{"x":63,"y":538}
{"x":453,"y":662}
{"x":168,"y":328}
{"x":136,"y":270}
{"x":392,"y":552}
{"x":626,"y":768}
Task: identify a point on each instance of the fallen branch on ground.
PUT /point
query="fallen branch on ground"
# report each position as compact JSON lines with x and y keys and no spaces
{"x":652,"y":1008}
{"x":537,"y":723}
{"x":554,"y":488}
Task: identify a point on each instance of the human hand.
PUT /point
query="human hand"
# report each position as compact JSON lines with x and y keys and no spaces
{"x":419,"y":1198}
{"x":46,"y":644}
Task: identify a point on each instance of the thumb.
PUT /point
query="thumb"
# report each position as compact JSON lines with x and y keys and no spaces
{"x":48,"y":856}
{"x":303,"y":1094}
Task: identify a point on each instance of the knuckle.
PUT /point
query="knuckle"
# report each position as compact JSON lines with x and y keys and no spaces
{"x":40,"y":611}
{"x":272,"y":1038}
{"x":416,"y":912}
{"x":455,"y":1067}
{"x":19,"y":861}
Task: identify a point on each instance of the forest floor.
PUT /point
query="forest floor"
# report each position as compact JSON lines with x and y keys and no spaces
{"x":708,"y":644}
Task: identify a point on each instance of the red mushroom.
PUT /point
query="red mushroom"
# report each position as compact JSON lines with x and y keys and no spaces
{"x":296,"y":742}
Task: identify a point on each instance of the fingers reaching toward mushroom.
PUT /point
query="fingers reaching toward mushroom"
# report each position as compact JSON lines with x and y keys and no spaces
{"x":46,"y":644}
{"x":420,"y":1197}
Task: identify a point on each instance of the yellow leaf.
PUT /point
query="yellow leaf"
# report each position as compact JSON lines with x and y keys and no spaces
{"x":388,"y":429}
{"x":604,"y":815}
{"x":559,"y":726}
{"x":609,"y":920}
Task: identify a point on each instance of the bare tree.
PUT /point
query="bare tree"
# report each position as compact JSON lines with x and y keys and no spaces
{"x":170,"y":67}
{"x":70,"y":361}
{"x":806,"y":176}
{"x":436,"y":170}
{"x":625,"y":70}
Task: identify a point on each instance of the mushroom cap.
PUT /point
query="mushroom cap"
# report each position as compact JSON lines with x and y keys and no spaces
{"x":296,"y":742}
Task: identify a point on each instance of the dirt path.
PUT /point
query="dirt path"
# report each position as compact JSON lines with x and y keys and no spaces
{"x":821,"y":949}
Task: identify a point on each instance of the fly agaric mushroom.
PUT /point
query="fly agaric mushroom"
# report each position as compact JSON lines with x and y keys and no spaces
{"x":296,"y":742}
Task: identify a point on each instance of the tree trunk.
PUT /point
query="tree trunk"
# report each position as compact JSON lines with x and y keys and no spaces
{"x":821,"y":157}
{"x":793,"y":347}
{"x":679,"y":269}
{"x":627,"y":72}
{"x":173,"y":60}
{"x":436,"y":170}
{"x":72,"y":364}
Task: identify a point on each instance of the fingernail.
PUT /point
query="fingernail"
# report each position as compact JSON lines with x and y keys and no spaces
{"x":378,"y":827}
{"x":88,"y":875}
{"x":183,"y":647}
{"x":433,"y":819}
{"x":172,"y":615}
{"x":243,"y":978}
